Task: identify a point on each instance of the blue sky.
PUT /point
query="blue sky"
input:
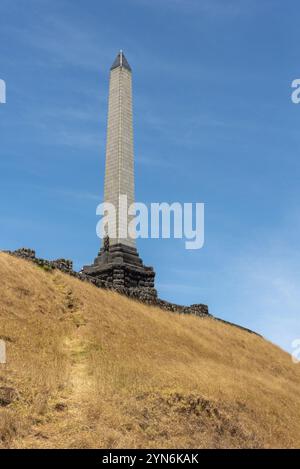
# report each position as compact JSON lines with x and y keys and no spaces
{"x":214,"y":123}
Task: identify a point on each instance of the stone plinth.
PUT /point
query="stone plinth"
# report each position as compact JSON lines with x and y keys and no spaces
{"x":121,"y":269}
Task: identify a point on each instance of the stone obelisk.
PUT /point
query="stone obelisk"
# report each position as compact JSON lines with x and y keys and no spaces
{"x":119,"y":171}
{"x":118,"y":264}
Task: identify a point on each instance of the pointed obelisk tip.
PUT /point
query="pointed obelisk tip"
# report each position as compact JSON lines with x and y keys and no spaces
{"x":121,"y":61}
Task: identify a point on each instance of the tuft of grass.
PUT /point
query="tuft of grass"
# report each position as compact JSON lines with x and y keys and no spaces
{"x":10,"y":427}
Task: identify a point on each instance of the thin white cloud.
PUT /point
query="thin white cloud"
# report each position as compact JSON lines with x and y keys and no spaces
{"x":160,"y":162}
{"x":73,"y":138}
{"x":265,"y":282}
{"x":269,"y":290}
{"x":65,"y":43}
{"x":222,"y":9}
{"x":77,"y":194}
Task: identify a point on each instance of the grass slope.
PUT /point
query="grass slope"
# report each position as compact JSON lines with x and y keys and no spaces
{"x":90,"y":368}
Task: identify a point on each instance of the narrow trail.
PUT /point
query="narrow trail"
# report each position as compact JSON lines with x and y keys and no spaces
{"x":71,"y":403}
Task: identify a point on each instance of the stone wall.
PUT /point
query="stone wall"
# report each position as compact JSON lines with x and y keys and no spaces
{"x":144,"y":293}
{"x":196,"y":309}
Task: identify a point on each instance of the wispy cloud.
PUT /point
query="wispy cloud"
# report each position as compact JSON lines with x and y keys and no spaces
{"x":223,"y":9}
{"x":255,"y":285}
{"x":65,"y":43}
{"x":264,"y":280}
{"x":73,"y":138}
{"x":160,"y":162}
{"x":77,"y":194}
{"x":269,"y":290}
{"x":57,"y":125}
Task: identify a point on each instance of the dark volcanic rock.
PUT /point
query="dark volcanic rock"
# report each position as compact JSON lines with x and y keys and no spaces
{"x":7,"y":395}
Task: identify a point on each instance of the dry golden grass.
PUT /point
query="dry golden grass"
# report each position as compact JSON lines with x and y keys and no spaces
{"x":91,"y":369}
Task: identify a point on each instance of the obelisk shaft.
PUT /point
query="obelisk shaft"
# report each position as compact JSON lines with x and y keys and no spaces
{"x":119,"y":170}
{"x":118,"y":264}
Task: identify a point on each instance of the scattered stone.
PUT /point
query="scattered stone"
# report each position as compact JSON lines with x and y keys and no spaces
{"x":7,"y":395}
{"x":41,"y":435}
{"x":6,"y":338}
{"x":196,"y":309}
{"x":65,"y":265}
{"x":60,"y":407}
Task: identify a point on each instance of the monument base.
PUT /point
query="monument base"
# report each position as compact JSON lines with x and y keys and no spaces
{"x":120,"y":268}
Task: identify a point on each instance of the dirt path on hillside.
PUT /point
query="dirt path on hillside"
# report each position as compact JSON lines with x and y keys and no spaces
{"x":66,"y":416}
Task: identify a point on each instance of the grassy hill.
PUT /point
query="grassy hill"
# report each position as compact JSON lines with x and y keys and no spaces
{"x":89,"y":368}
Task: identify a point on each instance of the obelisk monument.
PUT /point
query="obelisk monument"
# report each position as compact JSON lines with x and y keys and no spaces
{"x":118,"y":263}
{"x":119,"y":171}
